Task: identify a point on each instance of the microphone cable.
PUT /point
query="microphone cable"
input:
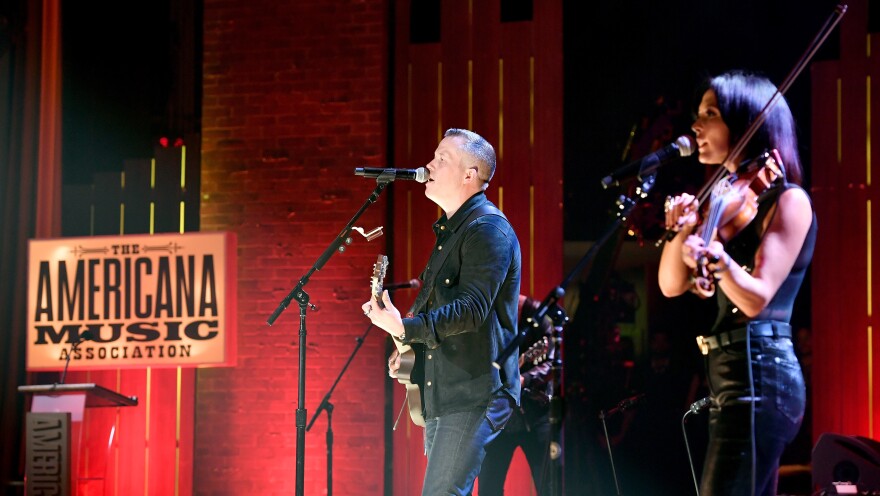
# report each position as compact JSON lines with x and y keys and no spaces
{"x":752,"y":401}
{"x":696,"y":407}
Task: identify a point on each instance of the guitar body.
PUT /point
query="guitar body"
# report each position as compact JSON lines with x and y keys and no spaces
{"x":411,"y":372}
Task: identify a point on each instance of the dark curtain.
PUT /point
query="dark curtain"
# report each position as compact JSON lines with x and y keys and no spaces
{"x":20,"y":28}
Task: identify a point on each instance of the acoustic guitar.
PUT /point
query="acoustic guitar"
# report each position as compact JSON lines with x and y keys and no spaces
{"x":410,"y":371}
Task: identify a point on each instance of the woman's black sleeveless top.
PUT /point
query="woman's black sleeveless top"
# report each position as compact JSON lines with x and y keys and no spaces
{"x":742,"y":249}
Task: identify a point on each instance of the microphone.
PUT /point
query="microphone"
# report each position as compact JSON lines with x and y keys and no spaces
{"x":700,"y":405}
{"x":420,"y":174}
{"x":84,"y":336}
{"x":412,"y":283}
{"x":626,"y":404}
{"x":683,"y":146}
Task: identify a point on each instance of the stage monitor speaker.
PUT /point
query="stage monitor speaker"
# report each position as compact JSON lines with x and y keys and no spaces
{"x":838,"y":458}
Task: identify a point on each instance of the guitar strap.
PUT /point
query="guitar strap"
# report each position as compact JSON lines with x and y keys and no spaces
{"x":453,"y":242}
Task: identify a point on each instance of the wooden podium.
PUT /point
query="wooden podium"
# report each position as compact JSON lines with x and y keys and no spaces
{"x":53,"y":435}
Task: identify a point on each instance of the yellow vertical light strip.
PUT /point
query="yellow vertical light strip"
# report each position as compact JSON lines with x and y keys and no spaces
{"x":182,"y":205}
{"x":839,"y":123}
{"x":152,"y":204}
{"x":532,"y":239}
{"x":470,"y":94}
{"x":501,"y":198}
{"x":868,"y":132}
{"x":182,"y":167}
{"x":531,"y":101}
{"x":500,"y":108}
{"x":177,"y":433}
{"x":870,"y":261}
{"x":147,"y":406}
{"x":182,"y":187}
{"x":439,"y":100}
{"x":122,"y":205}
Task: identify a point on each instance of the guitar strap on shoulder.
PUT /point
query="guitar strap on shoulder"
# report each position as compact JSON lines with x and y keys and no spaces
{"x":452,"y":243}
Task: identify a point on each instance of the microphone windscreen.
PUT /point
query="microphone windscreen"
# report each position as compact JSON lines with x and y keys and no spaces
{"x":686,"y":145}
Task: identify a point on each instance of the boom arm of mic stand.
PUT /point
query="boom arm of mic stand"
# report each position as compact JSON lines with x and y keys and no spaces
{"x":337,"y":245}
{"x":625,"y":205}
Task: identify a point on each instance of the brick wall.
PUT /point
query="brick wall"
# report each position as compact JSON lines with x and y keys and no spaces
{"x":295,"y":97}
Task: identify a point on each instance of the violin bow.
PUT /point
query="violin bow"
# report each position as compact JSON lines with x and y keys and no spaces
{"x":740,"y":145}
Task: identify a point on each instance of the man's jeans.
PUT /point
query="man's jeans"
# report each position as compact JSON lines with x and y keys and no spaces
{"x":456,"y":444}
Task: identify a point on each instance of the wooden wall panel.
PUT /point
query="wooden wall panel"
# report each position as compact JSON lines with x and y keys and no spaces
{"x":135,"y":195}
{"x":546,"y":215}
{"x":455,"y":104}
{"x":844,"y":277}
{"x":481,"y":75}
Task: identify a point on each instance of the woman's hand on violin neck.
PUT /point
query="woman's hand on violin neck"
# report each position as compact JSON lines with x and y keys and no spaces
{"x":716,"y":259}
{"x":681,"y":212}
{"x":695,"y":253}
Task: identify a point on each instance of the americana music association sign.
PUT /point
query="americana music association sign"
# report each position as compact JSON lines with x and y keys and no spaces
{"x":133,"y":301}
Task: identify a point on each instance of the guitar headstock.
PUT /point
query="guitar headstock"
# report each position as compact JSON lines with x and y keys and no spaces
{"x":378,"y":278}
{"x":536,"y":353}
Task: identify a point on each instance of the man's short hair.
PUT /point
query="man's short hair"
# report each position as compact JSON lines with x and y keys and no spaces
{"x":480,"y":150}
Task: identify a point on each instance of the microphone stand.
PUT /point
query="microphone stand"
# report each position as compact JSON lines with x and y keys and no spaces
{"x":326,"y":405}
{"x":608,"y":445}
{"x":85,"y":336}
{"x":73,"y":348}
{"x":550,"y":307}
{"x":621,"y":407}
{"x":299,"y":294}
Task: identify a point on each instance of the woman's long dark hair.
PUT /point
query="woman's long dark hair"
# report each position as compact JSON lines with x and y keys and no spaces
{"x":741,"y":96}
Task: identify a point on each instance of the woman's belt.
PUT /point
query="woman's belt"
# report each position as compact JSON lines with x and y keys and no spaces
{"x":761,"y":328}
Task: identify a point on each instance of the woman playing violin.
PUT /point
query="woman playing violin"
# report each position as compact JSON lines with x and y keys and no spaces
{"x":757,"y":404}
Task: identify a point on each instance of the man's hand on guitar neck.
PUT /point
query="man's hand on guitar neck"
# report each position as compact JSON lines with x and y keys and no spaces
{"x":384,"y":315}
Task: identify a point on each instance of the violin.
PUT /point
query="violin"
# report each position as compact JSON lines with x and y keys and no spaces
{"x":733,"y":206}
